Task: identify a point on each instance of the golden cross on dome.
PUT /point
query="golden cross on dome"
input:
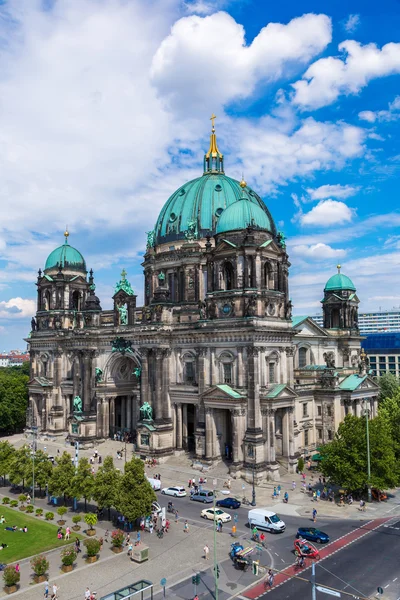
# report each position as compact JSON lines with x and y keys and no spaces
{"x":212,"y":119}
{"x":123,"y":273}
{"x":338,"y":268}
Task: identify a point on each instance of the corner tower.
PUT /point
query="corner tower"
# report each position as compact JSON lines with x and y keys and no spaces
{"x":340,"y":303}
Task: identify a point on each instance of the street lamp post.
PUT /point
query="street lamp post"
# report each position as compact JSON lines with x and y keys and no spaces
{"x":366,"y":411}
{"x":253,"y":491}
{"x":215,"y":546}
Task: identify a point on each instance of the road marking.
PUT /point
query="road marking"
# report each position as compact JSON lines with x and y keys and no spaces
{"x":395,"y":579}
{"x":386,"y":586}
{"x":332,"y":548}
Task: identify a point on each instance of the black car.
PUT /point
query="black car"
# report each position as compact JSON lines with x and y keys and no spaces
{"x":228,"y":503}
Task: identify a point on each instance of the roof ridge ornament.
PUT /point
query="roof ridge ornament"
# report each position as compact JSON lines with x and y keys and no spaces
{"x":338,"y":268}
{"x":66,"y":234}
{"x":213,"y":159}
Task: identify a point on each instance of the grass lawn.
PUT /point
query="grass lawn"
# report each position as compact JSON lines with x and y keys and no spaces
{"x":41,"y":536}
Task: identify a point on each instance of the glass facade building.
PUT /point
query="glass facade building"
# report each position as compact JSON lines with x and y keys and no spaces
{"x":373,"y":322}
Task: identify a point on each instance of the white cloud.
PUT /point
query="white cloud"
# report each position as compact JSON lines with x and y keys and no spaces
{"x":211,"y":51}
{"x":332,"y":191}
{"x":328,"y":213}
{"x":328,"y":78}
{"x":318,"y":251}
{"x":17,"y":308}
{"x":352,"y":23}
{"x":391,"y":114}
{"x":206,"y":7}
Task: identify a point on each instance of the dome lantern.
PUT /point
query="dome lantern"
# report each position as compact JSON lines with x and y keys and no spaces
{"x":213,"y":159}
{"x":66,"y":257}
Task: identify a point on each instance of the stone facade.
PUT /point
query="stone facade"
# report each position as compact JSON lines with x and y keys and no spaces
{"x":214,"y":352}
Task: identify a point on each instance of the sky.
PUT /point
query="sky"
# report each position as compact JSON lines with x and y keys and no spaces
{"x":105,"y":110}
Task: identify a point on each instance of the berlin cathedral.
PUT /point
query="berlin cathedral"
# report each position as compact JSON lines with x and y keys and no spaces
{"x":213,"y":364}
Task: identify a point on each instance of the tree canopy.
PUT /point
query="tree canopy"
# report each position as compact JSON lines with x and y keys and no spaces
{"x":389,"y":386}
{"x":62,"y":477}
{"x":344,"y":460}
{"x":106,"y":484}
{"x":13,"y":398}
{"x":135,"y":494}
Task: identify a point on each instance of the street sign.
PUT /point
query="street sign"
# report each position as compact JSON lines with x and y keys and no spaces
{"x":325,"y":590}
{"x":235,"y":518}
{"x":163,"y":581}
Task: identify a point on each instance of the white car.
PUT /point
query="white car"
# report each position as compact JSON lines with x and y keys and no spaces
{"x":178,"y":491}
{"x":208,"y":513}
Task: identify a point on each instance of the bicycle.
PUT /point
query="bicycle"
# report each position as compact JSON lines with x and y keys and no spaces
{"x":245,"y":501}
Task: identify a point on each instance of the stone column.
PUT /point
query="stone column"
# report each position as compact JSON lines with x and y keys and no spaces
{"x":213,"y":378}
{"x":290,"y":364}
{"x":145,"y":394}
{"x":201,"y":369}
{"x":158,"y":384}
{"x":122,"y":403}
{"x":258,"y":271}
{"x":99,"y":417}
{"x":178,"y":426}
{"x":271,"y":431}
{"x":237,"y":418}
{"x":292,"y":458}
{"x":87,"y":395}
{"x":266,"y":432}
{"x":241,"y":374}
{"x":129,"y":413}
{"x":253,"y":387}
{"x":166,"y":403}
{"x":106,"y":417}
{"x":209,"y":433}
{"x":285,"y":432}
{"x":112,"y":415}
{"x":57,"y":377}
{"x":184,"y":426}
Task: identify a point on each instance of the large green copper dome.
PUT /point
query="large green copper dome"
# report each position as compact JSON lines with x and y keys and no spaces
{"x":193,"y":211}
{"x":242,"y":214}
{"x":339,"y":282}
{"x":66,"y":257}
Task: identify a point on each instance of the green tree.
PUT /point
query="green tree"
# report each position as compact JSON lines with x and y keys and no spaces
{"x":389,"y":386}
{"x":13,"y":399}
{"x":83,"y":482}
{"x":106,"y":484}
{"x":344,"y":460}
{"x":20,"y":465}
{"x":61,"y":480}
{"x":43,"y":470}
{"x":389,"y":408}
{"x":135,"y":494}
{"x":6,"y":454}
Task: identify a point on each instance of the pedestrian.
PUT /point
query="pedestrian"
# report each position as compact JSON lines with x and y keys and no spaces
{"x":46,"y":589}
{"x":151,"y":527}
{"x":220,"y":525}
{"x":55,"y":591}
{"x":87,"y":594}
{"x":130,"y":548}
{"x":314,"y":515}
{"x":206,"y":550}
{"x":293,"y":485}
{"x":320,"y":480}
{"x":17,"y":568}
{"x":189,"y":483}
{"x":176,"y":516}
{"x":127,"y":540}
{"x":318,"y":495}
{"x":233,"y":530}
{"x":279,"y":490}
{"x":194,"y":482}
{"x":101,"y":541}
{"x":77,"y":545}
{"x":107,"y":533}
{"x":274,"y":493}
{"x":186,"y":527}
{"x":67,"y":533}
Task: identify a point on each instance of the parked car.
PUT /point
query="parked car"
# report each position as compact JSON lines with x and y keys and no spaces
{"x":378,"y":495}
{"x":312,"y":534}
{"x":178,"y":491}
{"x":208,"y":513}
{"x":228,"y":503}
{"x":155,"y":483}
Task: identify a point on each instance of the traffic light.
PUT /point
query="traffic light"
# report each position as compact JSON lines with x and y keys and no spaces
{"x":217,"y":571}
{"x":196,"y":579}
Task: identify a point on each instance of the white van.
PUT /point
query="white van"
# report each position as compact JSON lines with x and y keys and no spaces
{"x":155,"y":483}
{"x":265,"y":519}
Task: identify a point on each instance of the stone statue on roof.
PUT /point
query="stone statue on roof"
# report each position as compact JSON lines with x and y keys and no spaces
{"x":77,"y":404}
{"x":124,"y":285}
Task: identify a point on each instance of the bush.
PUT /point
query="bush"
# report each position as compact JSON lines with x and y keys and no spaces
{"x":91,"y":520}
{"x":6,"y":500}
{"x":30,"y":509}
{"x":40,"y":565}
{"x":14,"y":503}
{"x":92,"y":546}
{"x":49,"y":516}
{"x":22,"y":498}
{"x":39,"y":512}
{"x":117,"y":538}
{"x":76,"y":519}
{"x":300,"y":465}
{"x":68,"y":557}
{"x":10,"y":576}
{"x":62,"y":511}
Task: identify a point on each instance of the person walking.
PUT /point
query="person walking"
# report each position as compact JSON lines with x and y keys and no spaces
{"x":46,"y":589}
{"x":206,"y":550}
{"x":55,"y":592}
{"x":293,"y":485}
{"x":278,"y":489}
{"x":314,"y":515}
{"x":77,"y":545}
{"x":87,"y":594}
{"x":176,"y":516}
{"x":271,"y":578}
{"x":220,"y":525}
{"x":186,"y":527}
{"x":67,"y":533}
{"x":17,"y":568}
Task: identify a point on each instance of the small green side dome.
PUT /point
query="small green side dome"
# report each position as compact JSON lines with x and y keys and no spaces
{"x":242,"y":214}
{"x":339,"y":282}
{"x":66,"y":257}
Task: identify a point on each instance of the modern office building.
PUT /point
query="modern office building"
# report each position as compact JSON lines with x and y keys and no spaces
{"x":373,"y":322}
{"x":383,"y":350}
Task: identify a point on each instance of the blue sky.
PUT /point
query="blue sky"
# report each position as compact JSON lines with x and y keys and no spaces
{"x":104,"y":112}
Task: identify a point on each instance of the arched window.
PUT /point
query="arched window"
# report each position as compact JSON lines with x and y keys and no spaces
{"x":268,"y":281}
{"x":181,"y":286}
{"x":229,"y":275}
{"x":76,"y":300}
{"x":302,"y":357}
{"x":335,"y":318}
{"x":46,"y":300}
{"x":189,"y":371}
{"x":226,"y":360}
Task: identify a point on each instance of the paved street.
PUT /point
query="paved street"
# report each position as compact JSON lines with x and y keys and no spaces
{"x":178,"y":555}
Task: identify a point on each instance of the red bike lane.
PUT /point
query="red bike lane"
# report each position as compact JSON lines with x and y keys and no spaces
{"x":349,"y":538}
